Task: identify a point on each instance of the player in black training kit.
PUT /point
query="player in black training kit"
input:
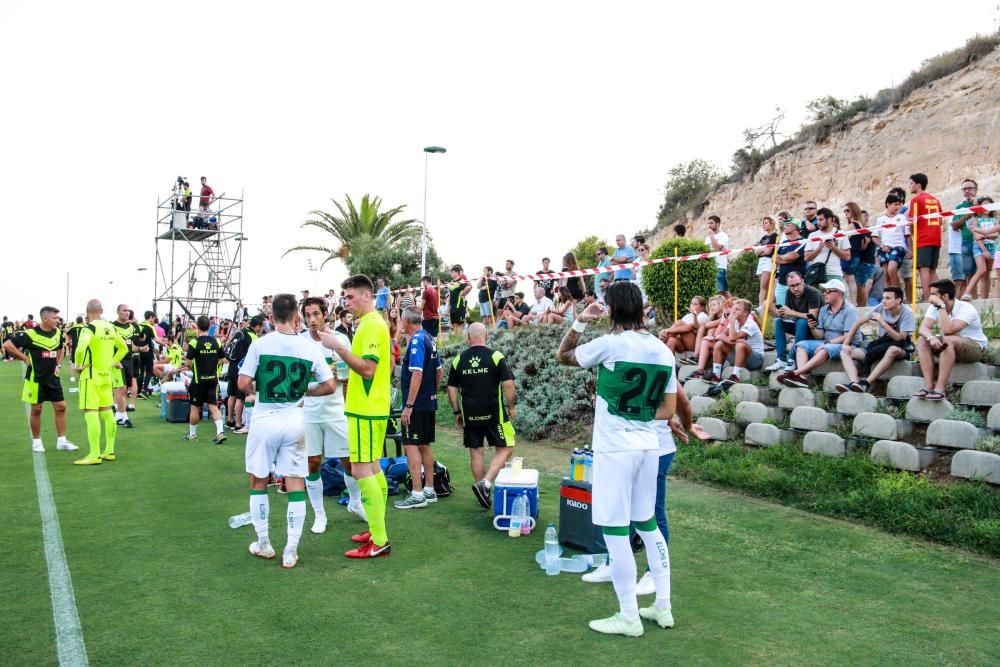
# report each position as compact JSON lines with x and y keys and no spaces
{"x":146,"y":340}
{"x":203,"y":357}
{"x":121,"y":379}
{"x":235,"y":351}
{"x":41,"y":348}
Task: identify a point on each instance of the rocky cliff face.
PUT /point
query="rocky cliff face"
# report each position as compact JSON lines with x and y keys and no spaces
{"x":949,"y":130}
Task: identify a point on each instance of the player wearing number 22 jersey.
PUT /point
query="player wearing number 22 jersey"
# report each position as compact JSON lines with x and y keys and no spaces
{"x":282,"y":366}
{"x":635,"y":378}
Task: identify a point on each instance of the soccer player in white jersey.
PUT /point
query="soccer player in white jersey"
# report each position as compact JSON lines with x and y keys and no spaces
{"x":325,"y":421}
{"x":286,"y":368}
{"x":636,"y":385}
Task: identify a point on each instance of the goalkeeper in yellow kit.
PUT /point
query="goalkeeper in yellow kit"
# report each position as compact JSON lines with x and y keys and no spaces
{"x":100,"y":349}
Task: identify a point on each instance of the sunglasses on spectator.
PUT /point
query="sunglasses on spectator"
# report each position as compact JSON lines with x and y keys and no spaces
{"x":809,"y":208}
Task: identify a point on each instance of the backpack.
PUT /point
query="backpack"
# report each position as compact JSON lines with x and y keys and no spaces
{"x":332,"y":472}
{"x":442,"y":480}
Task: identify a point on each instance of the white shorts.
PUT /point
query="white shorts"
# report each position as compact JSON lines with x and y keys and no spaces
{"x":327,"y":438}
{"x":277,"y":438}
{"x":168,"y":368}
{"x":624,"y":487}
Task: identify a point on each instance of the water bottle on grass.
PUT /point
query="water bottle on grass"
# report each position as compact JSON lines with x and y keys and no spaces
{"x":238,"y":520}
{"x":552,"y":565}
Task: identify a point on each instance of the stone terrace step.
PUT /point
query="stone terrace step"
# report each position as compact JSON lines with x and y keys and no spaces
{"x":880,"y":426}
{"x":924,"y":412}
{"x":953,"y":434}
{"x":766,"y":435}
{"x":902,"y":455}
{"x":976,"y":465}
{"x":980,"y":393}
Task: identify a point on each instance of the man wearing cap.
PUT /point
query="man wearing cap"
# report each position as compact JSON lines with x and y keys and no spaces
{"x":829,"y":331}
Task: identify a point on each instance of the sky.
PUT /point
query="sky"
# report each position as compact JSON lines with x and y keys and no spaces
{"x":560,"y":119}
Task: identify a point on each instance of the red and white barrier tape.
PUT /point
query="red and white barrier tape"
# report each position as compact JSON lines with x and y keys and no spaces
{"x":579,"y":273}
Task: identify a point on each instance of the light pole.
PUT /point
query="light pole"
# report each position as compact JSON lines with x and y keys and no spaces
{"x":423,"y":238}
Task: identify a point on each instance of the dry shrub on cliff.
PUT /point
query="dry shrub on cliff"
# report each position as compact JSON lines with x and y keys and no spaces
{"x":947,"y":63}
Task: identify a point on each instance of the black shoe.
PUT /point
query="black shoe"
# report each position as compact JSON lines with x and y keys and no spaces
{"x":128,"y":423}
{"x":714,"y":390}
{"x":482,"y":493}
{"x":143,"y":395}
{"x":861,"y":386}
{"x":129,"y":408}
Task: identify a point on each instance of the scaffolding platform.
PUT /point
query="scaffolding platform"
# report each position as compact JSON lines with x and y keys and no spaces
{"x":198,"y":269}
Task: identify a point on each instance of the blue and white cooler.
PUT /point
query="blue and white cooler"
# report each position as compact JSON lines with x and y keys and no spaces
{"x":507,"y":488}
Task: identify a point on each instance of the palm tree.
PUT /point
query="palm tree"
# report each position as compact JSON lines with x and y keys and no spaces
{"x":354,"y":223}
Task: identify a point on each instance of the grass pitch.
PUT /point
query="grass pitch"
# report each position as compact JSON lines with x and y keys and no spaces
{"x":161,"y":579}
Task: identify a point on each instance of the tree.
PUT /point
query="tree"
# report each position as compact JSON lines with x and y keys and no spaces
{"x":353,"y":224}
{"x":695,"y":277}
{"x":767,"y":132}
{"x":398,"y":263}
{"x":586,"y":255}
{"x":823,"y":108}
{"x":686,"y":187}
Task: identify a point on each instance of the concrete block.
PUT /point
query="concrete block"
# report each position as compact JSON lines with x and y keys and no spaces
{"x":993,"y":418}
{"x":772,"y":381}
{"x":827,"y":367}
{"x":696,"y":387}
{"x":832,"y":380}
{"x":766,"y":435}
{"x":718,"y":429}
{"x":976,"y":465}
{"x":806,"y":418}
{"x":902,"y":455}
{"x":683,"y":372}
{"x":924,"y":412}
{"x":963,"y":373}
{"x":853,"y":403}
{"x":701,"y":404}
{"x":750,"y":412}
{"x":880,"y":426}
{"x":992,"y":354}
{"x":745,"y":392}
{"x":903,"y":387}
{"x":902,"y":369}
{"x":792,"y":397}
{"x":984,"y":393}
{"x":827,"y":444}
{"x":770,"y":357}
{"x":954,"y":434}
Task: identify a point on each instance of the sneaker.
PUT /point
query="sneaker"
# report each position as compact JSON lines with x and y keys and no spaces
{"x":483,"y":493}
{"x":663,"y":617}
{"x":712,"y":379}
{"x":362,"y":538}
{"x":319,"y":524}
{"x":289,"y":559}
{"x":411,"y":501}
{"x":219,"y":438}
{"x":369,"y":550}
{"x":599,"y":576}
{"x":861,"y":386}
{"x":242,"y":430}
{"x":697,"y":375}
{"x":776,"y":366}
{"x":265,"y":551}
{"x":128,"y":423}
{"x":120,"y":421}
{"x":688,"y":361}
{"x":795,"y":380}
{"x":646,"y":586}
{"x":430,"y":495}
{"x":231,"y":426}
{"x":108,"y":456}
{"x":790,"y":366}
{"x":67,"y":447}
{"x":38,"y":448}
{"x":190,"y":437}
{"x":358,"y":510}
{"x":714,"y":390}
{"x":730,"y":381}
{"x":129,"y":408}
{"x":843,"y":387}
{"x":87,"y":461}
{"x":618,"y":625}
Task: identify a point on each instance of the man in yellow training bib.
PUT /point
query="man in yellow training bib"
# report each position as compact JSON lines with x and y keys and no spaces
{"x":367,"y":408}
{"x":100,"y":351}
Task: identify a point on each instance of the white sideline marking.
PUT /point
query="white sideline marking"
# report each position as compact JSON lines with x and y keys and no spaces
{"x":69,"y":635}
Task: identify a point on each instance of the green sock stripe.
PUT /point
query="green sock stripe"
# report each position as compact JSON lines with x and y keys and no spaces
{"x":647,"y":526}
{"x":312,"y":477}
{"x":258,"y":492}
{"x":296,"y":496}
{"x":615,"y":530}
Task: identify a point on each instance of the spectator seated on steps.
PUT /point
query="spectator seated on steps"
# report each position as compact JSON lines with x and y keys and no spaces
{"x":895,"y":341}
{"x":800,"y":302}
{"x":742,"y":344}
{"x":681,"y":336}
{"x":961,"y":339}
{"x":829,"y":332}
{"x":708,"y":334}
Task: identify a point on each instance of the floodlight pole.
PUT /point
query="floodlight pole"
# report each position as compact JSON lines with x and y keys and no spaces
{"x":423,"y":235}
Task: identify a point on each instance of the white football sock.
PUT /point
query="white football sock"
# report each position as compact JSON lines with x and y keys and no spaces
{"x":314,"y":489}
{"x":192,"y":430}
{"x":623,"y":572}
{"x":296,"y":518}
{"x":353,"y":490}
{"x":717,"y":369}
{"x":658,"y":557}
{"x":218,"y":426}
{"x":259,"y":509}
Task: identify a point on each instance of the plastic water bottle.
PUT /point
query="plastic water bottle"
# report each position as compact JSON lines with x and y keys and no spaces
{"x":552,"y":564}
{"x":516,"y":512}
{"x":238,"y":520}
{"x":588,"y":466}
{"x":525,"y":523}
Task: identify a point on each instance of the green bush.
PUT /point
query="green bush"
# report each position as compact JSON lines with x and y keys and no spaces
{"x":586,"y":255}
{"x":968,"y":415}
{"x":553,"y":401}
{"x":743,"y":284}
{"x":695,"y":278}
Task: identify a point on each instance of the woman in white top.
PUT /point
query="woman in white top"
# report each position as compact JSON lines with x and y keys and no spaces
{"x":682,"y":335}
{"x":984,"y":233}
{"x":764,"y":257}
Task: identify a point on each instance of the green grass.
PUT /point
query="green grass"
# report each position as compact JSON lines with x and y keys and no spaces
{"x":161,"y":579}
{"x":963,"y":513}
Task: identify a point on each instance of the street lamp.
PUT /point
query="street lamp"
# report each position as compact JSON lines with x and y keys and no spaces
{"x":423,"y":238}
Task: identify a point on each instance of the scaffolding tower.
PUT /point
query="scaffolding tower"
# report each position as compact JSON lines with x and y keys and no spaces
{"x":209,"y":247}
